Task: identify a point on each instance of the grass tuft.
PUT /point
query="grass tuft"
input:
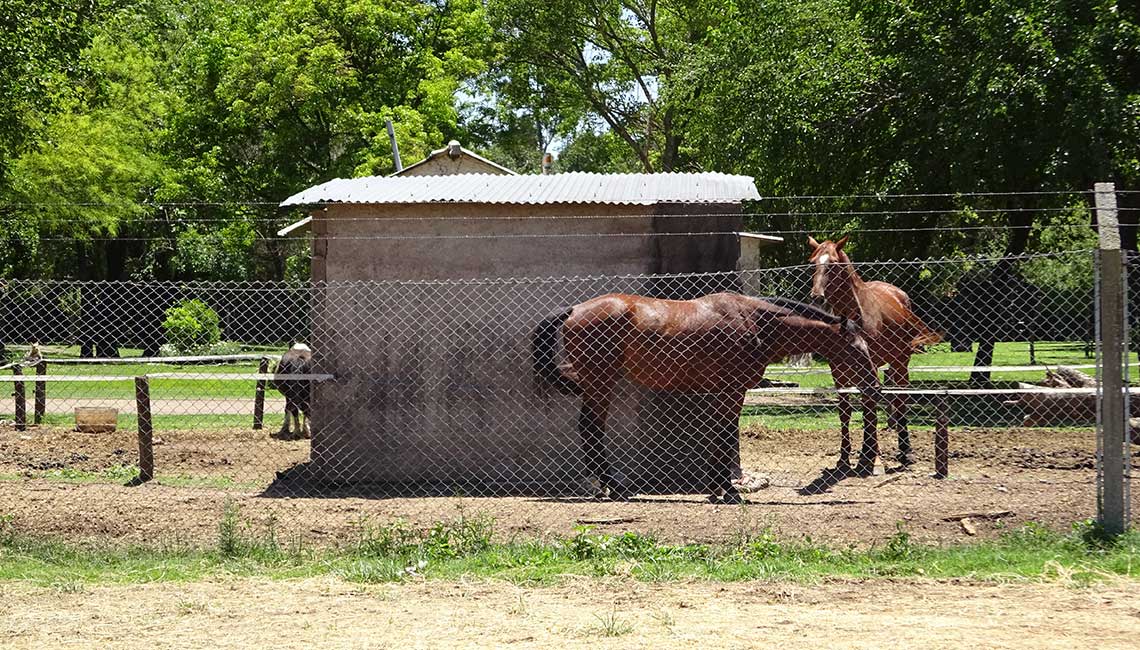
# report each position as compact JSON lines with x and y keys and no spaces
{"x":465,"y":547}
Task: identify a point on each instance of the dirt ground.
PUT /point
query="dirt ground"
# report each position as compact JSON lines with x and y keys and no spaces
{"x":1008,"y":476}
{"x":578,"y":613}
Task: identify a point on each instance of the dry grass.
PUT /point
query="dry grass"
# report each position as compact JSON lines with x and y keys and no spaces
{"x":331,"y":614}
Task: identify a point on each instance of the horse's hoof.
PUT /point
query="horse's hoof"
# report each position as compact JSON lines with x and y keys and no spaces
{"x":906,"y":460}
{"x":714,"y":498}
{"x":732,"y":498}
{"x":620,"y":494}
{"x":863,"y":470}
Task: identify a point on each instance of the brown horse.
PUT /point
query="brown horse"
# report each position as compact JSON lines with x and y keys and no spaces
{"x":718,"y":344}
{"x":892,"y":330}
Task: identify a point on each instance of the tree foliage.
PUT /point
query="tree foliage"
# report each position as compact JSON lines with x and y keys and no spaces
{"x":154,"y":138}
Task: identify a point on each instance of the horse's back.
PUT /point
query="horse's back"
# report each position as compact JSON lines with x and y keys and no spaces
{"x":891,"y":306}
{"x":704,"y":343}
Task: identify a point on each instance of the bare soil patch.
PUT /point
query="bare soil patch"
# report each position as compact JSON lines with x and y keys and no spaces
{"x":580,"y":613}
{"x":1039,"y":475}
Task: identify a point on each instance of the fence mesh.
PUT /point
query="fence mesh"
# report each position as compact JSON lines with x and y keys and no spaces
{"x":538,"y":395}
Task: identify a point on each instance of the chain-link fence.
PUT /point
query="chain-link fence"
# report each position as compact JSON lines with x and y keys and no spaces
{"x":533,"y":395}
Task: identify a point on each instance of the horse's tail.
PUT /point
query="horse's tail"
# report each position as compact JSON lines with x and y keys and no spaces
{"x":544,"y":352}
{"x":924,"y":335}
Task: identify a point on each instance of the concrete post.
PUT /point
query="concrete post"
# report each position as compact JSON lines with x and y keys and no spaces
{"x":1111,"y":509}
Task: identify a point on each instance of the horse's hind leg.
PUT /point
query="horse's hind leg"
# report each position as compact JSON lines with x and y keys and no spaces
{"x":845,"y":410}
{"x":726,"y":441}
{"x":899,"y":376}
{"x":592,"y":429}
{"x":284,"y":431}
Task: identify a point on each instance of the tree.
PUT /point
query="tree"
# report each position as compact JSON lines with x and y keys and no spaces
{"x":617,"y":63}
{"x":39,"y":57}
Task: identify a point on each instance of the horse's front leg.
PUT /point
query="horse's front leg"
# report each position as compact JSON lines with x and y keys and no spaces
{"x":898,"y":375}
{"x":870,"y":453}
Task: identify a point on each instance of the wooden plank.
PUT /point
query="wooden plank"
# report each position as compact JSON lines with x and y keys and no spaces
{"x":241,"y":376}
{"x":70,"y":378}
{"x":190,"y":376}
{"x":926,"y":391}
{"x":784,"y":370}
{"x":145,"y":429}
{"x":187,"y":359}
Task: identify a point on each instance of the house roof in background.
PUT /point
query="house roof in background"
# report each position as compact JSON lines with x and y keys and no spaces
{"x":438,"y":153}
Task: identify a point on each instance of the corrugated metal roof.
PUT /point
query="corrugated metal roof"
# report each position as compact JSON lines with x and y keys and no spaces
{"x":630,"y":189}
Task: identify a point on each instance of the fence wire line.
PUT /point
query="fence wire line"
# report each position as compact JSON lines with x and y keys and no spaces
{"x":603,"y":235}
{"x":546,"y":217}
{"x":255,"y":286}
{"x":763,"y":198}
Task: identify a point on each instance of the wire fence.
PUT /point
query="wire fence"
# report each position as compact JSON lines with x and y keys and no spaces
{"x":663,"y":390}
{"x":951,"y":392}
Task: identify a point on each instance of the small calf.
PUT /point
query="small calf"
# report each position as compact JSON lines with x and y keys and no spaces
{"x":297,"y":361}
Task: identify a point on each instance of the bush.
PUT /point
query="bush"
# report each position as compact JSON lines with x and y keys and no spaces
{"x":191,"y":326}
{"x":219,"y":348}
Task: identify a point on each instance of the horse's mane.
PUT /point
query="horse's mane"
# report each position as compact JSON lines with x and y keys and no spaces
{"x":804,"y":309}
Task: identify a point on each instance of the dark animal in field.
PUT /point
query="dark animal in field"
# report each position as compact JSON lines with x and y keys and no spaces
{"x":719,"y":344}
{"x":298,"y":360}
{"x":892,"y":331}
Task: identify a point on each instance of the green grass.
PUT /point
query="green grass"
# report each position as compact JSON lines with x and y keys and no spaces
{"x":464,"y":548}
{"x":1048,"y":353}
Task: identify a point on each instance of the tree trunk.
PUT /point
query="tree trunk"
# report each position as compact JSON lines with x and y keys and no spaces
{"x":1001,"y":280}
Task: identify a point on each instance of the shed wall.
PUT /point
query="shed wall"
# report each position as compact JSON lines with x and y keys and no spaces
{"x":434,"y":380}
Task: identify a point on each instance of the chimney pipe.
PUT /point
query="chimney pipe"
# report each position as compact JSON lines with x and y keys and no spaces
{"x":547,"y":162}
{"x":395,"y":147}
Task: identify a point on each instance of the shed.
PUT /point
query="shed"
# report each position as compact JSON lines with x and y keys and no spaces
{"x":421,"y":315}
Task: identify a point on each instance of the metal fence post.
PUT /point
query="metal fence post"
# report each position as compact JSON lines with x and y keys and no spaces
{"x":1113,"y":416}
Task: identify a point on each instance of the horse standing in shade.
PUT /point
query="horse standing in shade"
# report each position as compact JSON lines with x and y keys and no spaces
{"x":297,"y":360}
{"x":893,"y":332}
{"x":719,"y":344}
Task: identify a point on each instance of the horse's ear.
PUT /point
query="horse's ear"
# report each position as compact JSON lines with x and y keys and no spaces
{"x":839,"y":244}
{"x":812,"y":242}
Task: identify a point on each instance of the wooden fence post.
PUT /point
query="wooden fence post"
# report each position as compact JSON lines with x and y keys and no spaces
{"x":20,"y":395}
{"x":1111,"y":498}
{"x":259,"y":395}
{"x":941,"y":437}
{"x":41,"y":393}
{"x":146,"y":431}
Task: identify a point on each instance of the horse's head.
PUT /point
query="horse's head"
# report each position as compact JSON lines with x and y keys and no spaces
{"x":826,"y":257}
